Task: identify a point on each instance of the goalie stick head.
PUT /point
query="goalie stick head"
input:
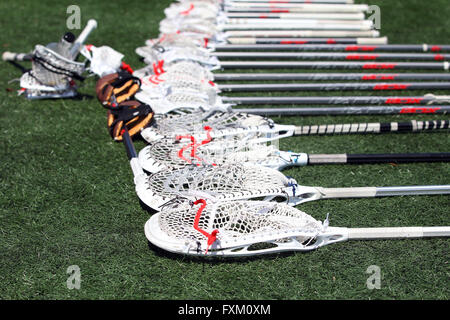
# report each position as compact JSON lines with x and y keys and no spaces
{"x":235,"y":228}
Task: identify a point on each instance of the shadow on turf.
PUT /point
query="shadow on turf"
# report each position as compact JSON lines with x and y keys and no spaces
{"x":216,"y":260}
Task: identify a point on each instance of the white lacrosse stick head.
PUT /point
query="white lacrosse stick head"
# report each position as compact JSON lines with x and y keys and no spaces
{"x":153,"y":55}
{"x":204,"y":27}
{"x":189,"y":68}
{"x":235,"y":228}
{"x":171,"y":154}
{"x":226,"y":182}
{"x":192,"y":9}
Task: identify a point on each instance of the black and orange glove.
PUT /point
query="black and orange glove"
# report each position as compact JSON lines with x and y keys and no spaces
{"x":116,"y":88}
{"x":132,"y":114}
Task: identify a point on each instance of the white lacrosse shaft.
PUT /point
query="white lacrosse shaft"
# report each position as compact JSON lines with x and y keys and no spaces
{"x":297,"y":7}
{"x":302,"y":34}
{"x":373,"y":192}
{"x":397,"y":233}
{"x":256,"y":40}
{"x":298,"y":16}
{"x":78,"y":44}
{"x":12,"y":56}
{"x":274,"y":2}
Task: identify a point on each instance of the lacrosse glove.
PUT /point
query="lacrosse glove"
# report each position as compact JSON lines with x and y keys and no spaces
{"x":116,"y":88}
{"x":132,"y":114}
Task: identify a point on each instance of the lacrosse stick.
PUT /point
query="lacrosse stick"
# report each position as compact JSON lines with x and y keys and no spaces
{"x":332,"y":56}
{"x":230,"y":123}
{"x":330,"y":76}
{"x":140,"y":177}
{"x":400,"y":86}
{"x":247,"y":181}
{"x":247,"y":228}
{"x":334,"y":47}
{"x":53,"y":71}
{"x":428,"y":99}
{"x":179,"y":152}
{"x":353,"y":110}
{"x":207,"y":27}
{"x":155,"y":55}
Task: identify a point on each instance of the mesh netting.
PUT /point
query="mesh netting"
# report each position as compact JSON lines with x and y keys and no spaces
{"x":174,"y":154}
{"x":226,"y":182}
{"x":52,"y":69}
{"x":204,"y":27}
{"x":177,"y":80}
{"x":196,"y":121}
{"x":201,"y":10}
{"x":239,"y":222}
{"x":176,"y":54}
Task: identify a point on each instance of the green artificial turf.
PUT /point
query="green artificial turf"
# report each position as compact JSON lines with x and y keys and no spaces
{"x":67,"y":195}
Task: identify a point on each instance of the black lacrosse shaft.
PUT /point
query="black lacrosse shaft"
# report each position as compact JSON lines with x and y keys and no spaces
{"x":129,"y":146}
{"x":334,"y":47}
{"x":352,"y":110}
{"x":331,"y":76}
{"x":334,"y":87}
{"x":397,"y":158}
{"x":334,"y":65}
{"x":334,"y":56}
{"x":377,"y":158}
{"x":342,"y":100}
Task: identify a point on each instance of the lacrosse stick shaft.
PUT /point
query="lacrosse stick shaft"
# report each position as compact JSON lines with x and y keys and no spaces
{"x":301,"y":34}
{"x":310,"y":25}
{"x":293,"y":22}
{"x":314,"y":159}
{"x":334,"y":47}
{"x":281,"y":16}
{"x":360,"y":110}
{"x":372,"y":192}
{"x":78,"y":44}
{"x":335,"y":87}
{"x":397,"y":233}
{"x":306,"y":40}
{"x":12,"y":56}
{"x":330,"y":76}
{"x":333,"y":56}
{"x":375,"y":127}
{"x":342,"y":100}
{"x":335,"y":65}
{"x":290,"y":1}
{"x":293,"y":7}
{"x":132,"y":155}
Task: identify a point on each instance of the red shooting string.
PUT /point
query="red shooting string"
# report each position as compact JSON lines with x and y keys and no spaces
{"x":126,"y":67}
{"x":212,"y":237}
{"x":191,"y":7}
{"x":194,"y":145}
{"x":158,"y":68}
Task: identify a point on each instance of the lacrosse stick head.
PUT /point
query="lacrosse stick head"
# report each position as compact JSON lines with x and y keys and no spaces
{"x":153,"y":56}
{"x":192,"y":9}
{"x":236,"y":228}
{"x":204,"y":27}
{"x":54,"y":70}
{"x":34,"y":89}
{"x":178,"y":100}
{"x":226,"y":182}
{"x":171,"y":154}
{"x":193,"y":123}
